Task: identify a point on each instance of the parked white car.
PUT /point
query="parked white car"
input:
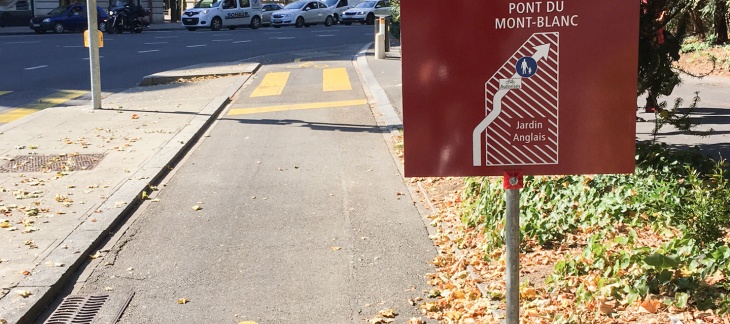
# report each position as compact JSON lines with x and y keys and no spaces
{"x":303,"y":14}
{"x":338,"y":7}
{"x":223,"y":13}
{"x":268,"y":10}
{"x":365,"y":12}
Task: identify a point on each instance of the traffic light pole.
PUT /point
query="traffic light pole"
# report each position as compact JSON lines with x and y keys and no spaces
{"x":93,"y":40}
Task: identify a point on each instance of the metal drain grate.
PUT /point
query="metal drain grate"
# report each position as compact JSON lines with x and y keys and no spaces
{"x":49,"y":163}
{"x":78,"y":309}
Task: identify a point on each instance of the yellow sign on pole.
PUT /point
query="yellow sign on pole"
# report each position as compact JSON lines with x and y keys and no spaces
{"x":86,"y":38}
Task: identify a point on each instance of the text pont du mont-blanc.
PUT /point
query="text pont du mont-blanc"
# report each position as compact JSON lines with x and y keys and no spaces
{"x":545,"y":14}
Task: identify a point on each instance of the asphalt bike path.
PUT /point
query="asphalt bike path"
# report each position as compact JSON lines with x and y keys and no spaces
{"x":280,"y":215}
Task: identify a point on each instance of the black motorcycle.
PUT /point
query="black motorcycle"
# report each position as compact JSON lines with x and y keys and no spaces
{"x":126,"y":17}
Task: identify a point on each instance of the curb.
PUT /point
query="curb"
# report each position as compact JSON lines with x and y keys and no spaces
{"x":390,"y":117}
{"x":74,"y":250}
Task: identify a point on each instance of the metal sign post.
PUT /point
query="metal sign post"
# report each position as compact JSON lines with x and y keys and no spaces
{"x":93,"y":39}
{"x":513,"y":182}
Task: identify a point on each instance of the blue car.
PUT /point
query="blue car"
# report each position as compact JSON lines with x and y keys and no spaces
{"x":63,"y":18}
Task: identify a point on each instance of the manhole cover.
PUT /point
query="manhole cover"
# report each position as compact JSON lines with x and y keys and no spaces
{"x":78,"y":309}
{"x":91,"y":309}
{"x":52,"y":163}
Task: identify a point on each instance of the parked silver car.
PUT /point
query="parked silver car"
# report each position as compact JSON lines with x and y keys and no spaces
{"x":303,"y":14}
{"x":365,"y":12}
{"x":268,"y":9}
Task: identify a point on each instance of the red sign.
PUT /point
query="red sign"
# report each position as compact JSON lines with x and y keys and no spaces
{"x":547,"y":87}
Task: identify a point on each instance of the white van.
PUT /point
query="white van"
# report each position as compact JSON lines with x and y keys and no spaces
{"x":216,"y":14}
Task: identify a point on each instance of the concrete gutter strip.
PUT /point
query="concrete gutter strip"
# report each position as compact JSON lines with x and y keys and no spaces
{"x":390,"y":116}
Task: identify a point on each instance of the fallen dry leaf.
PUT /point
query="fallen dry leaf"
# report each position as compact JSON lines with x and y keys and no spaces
{"x":416,"y":320}
{"x":335,"y":248}
{"x":378,"y":320}
{"x":528,"y":293}
{"x":23,"y":293}
{"x":197,"y":207}
{"x":389,"y":313}
{"x":183,"y":301}
{"x":134,"y":116}
{"x":650,"y":305}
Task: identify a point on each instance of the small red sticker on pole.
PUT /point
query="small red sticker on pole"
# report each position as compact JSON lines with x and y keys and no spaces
{"x":513,"y":179}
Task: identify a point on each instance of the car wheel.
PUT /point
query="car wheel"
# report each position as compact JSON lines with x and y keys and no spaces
{"x":110,"y":29}
{"x":329,"y":21}
{"x":216,"y":24}
{"x":58,"y":28}
{"x":191,"y":28}
{"x":299,"y":23}
{"x":102,"y":26}
{"x":370,"y":19}
{"x":255,"y":22}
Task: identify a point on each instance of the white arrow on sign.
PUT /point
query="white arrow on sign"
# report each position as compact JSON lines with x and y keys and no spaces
{"x":541,"y":52}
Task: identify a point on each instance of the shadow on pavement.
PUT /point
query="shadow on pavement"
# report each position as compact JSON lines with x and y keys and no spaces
{"x":313,"y":125}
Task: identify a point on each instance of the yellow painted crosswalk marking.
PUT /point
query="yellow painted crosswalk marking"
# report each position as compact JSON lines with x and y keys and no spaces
{"x":313,"y":105}
{"x":4,"y":92}
{"x":47,"y":102}
{"x":335,"y":80}
{"x":272,"y":84}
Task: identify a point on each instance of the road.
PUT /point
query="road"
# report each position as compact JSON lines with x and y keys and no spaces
{"x":52,"y":70}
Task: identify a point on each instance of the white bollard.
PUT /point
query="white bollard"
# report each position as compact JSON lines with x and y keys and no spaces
{"x":380,"y":45}
{"x":380,"y":39}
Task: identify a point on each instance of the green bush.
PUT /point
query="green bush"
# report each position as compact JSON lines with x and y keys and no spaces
{"x":682,"y":196}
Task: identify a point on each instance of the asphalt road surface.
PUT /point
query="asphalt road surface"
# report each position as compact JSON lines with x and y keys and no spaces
{"x":41,"y":71}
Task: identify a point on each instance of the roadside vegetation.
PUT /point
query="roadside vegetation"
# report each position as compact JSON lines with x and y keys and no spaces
{"x":648,"y":247}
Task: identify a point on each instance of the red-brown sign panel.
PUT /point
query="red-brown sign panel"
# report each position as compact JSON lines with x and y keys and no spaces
{"x":546,"y":87}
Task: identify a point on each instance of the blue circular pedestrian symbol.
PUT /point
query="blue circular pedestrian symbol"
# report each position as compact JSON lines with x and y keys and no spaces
{"x":526,"y":67}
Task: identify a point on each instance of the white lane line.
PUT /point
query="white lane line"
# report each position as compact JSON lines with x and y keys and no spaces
{"x":221,"y":40}
{"x":196,"y":45}
{"x":86,"y":58}
{"x":155,"y":43}
{"x":319,"y":31}
{"x":73,"y":46}
{"x":282,"y":37}
{"x":27,"y":42}
{"x":220,"y":35}
{"x":36,"y":67}
{"x":161,"y":37}
{"x":325,"y":35}
{"x":148,"y":51}
{"x":243,"y":41}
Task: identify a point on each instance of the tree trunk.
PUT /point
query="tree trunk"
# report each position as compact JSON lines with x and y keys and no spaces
{"x":698,"y":25}
{"x":720,"y":22}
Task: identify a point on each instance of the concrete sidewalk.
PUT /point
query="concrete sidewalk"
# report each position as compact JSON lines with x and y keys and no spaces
{"x":70,"y":175}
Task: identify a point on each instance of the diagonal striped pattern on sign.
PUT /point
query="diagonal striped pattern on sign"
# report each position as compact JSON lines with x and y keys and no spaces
{"x":526,"y":130}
